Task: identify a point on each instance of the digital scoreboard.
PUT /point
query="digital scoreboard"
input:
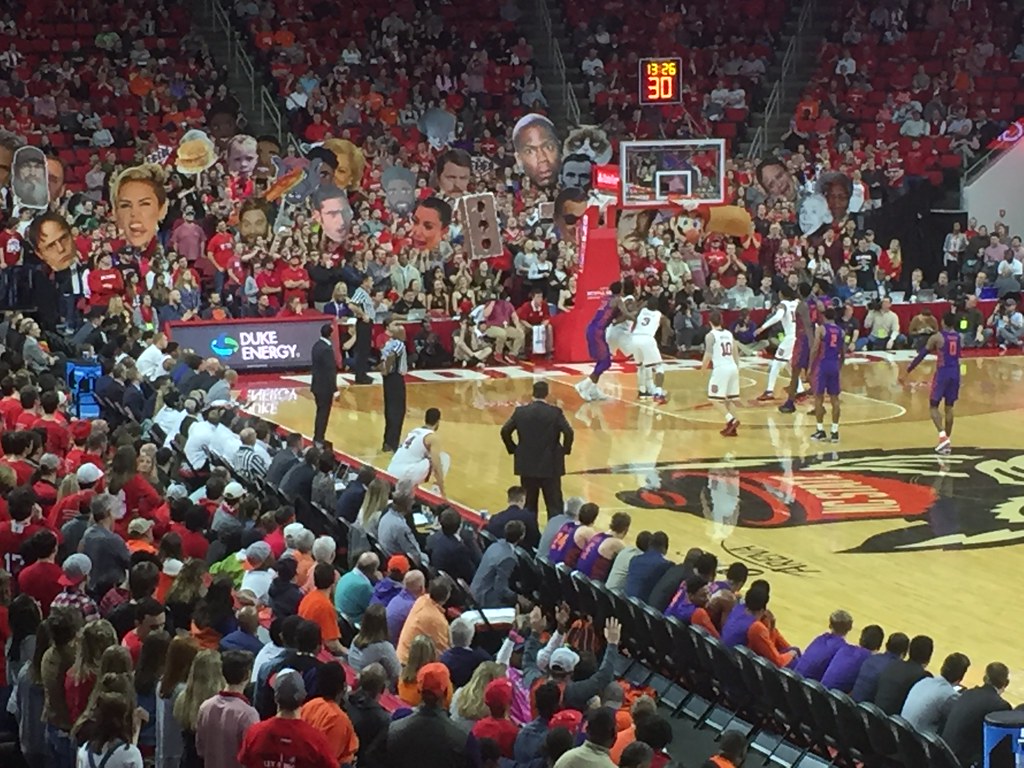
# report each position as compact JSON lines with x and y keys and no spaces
{"x":661,"y":81}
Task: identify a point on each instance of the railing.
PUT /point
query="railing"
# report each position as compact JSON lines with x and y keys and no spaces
{"x":794,"y":51}
{"x":261,"y":101}
{"x":572,"y":105}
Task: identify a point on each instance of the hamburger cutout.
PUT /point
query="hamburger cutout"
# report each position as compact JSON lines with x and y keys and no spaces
{"x":196,"y":153}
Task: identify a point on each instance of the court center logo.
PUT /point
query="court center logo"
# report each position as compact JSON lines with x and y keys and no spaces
{"x":224,"y":345}
{"x":971,"y":499}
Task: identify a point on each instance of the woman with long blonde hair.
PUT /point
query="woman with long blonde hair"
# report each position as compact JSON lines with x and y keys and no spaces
{"x":205,"y":679}
{"x":68,"y":486}
{"x":421,"y":652}
{"x":890,"y":262}
{"x":374,"y":504}
{"x":169,"y":744}
{"x":112,"y":682}
{"x":468,"y":702}
{"x":79,"y":681}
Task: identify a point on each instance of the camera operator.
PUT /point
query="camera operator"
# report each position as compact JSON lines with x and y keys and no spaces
{"x":1007,"y":324}
{"x":882,"y":326}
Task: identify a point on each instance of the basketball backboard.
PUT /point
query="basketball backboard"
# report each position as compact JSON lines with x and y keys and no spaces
{"x":657,"y":173}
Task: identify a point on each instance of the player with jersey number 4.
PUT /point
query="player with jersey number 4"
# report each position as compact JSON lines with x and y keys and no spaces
{"x":722,"y":354}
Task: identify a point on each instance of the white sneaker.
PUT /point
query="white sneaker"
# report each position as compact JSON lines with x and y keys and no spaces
{"x":597,"y":394}
{"x":944,"y":445}
{"x":582,"y":390}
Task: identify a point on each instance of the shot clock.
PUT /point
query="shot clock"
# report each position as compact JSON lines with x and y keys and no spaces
{"x":660,"y":81}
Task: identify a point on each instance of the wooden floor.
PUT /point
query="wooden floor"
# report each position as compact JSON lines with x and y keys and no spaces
{"x":876,"y":524}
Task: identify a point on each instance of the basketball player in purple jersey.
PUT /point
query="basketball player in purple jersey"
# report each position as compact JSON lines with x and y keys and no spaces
{"x":827,"y":356}
{"x":611,"y":309}
{"x":807,"y":312}
{"x":946,"y":379}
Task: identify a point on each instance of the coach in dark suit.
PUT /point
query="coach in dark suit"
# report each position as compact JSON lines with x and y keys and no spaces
{"x":544,"y":440}
{"x":324,"y":385}
{"x":965,"y":724}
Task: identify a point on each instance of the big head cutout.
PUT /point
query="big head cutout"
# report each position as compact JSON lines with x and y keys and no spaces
{"x":55,"y":177}
{"x":9,"y":144}
{"x":332,"y":211}
{"x":438,"y":125}
{"x":570,"y":207}
{"x":242,"y":156}
{"x":349,"y":173}
{"x":453,"y":170}
{"x":537,"y":149}
{"x":196,"y":153}
{"x":253,"y":220}
{"x":576,"y":171}
{"x":54,"y":244}
{"x":28,"y":179}
{"x":139,"y":196}
{"x":430,"y":222}
{"x":399,"y":188}
{"x":591,"y":141}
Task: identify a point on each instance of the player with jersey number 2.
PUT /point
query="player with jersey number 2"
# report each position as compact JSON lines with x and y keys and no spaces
{"x":946,"y":380}
{"x":722,"y":354}
{"x":827,"y":356}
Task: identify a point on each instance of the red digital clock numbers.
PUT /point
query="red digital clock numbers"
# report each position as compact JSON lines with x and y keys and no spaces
{"x":661,"y":81}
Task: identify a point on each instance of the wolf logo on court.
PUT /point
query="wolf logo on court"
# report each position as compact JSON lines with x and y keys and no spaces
{"x":973,"y":498}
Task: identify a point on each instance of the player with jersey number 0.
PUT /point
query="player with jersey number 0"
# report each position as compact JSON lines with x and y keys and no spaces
{"x":722,"y":354}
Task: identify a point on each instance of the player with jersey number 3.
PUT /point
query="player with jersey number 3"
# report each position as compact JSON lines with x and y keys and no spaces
{"x":419,"y":456}
{"x":650,"y":368}
{"x":722,"y":354}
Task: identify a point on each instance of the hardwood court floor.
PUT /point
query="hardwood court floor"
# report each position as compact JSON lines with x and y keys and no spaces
{"x":876,"y":524}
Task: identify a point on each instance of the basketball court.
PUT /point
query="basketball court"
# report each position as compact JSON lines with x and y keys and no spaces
{"x":876,"y":524}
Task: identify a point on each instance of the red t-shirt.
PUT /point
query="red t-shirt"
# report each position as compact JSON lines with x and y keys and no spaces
{"x":285,"y":743}
{"x":58,"y":439}
{"x":221,"y":247}
{"x":10,"y":410}
{"x":22,"y":469}
{"x":294,"y":274}
{"x":193,"y":544}
{"x":270,"y":280}
{"x":104,"y":284}
{"x":12,"y":536}
{"x":276,"y":543}
{"x":133,"y":643}
{"x":40,"y":581}
{"x":10,"y":247}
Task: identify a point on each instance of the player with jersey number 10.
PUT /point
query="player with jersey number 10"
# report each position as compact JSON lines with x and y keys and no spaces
{"x":722,"y":354}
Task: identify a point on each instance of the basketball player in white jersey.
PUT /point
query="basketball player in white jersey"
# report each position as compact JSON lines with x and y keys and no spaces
{"x":619,"y":335}
{"x":786,"y":314}
{"x":723,"y":355}
{"x":419,"y":456}
{"x":650,"y":371}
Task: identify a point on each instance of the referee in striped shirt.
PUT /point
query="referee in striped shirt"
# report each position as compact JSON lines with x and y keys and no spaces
{"x":361,"y":305}
{"x":394,"y":364}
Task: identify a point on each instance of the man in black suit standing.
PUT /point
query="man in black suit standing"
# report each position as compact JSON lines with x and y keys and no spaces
{"x":545,"y":439}
{"x":324,"y":385}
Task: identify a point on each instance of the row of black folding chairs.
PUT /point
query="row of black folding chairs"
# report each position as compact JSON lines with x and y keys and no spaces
{"x":817,"y":721}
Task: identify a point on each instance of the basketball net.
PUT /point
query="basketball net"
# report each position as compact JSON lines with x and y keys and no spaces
{"x":685,"y":202}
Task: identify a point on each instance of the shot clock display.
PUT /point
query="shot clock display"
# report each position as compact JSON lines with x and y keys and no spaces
{"x":660,"y":81}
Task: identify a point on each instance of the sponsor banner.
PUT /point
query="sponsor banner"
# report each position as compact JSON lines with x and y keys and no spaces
{"x":251,"y":345}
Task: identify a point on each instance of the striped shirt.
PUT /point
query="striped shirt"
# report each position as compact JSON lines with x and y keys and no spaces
{"x":396,"y":348}
{"x":362,"y":300}
{"x":249,"y":464}
{"x":73,"y":598}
